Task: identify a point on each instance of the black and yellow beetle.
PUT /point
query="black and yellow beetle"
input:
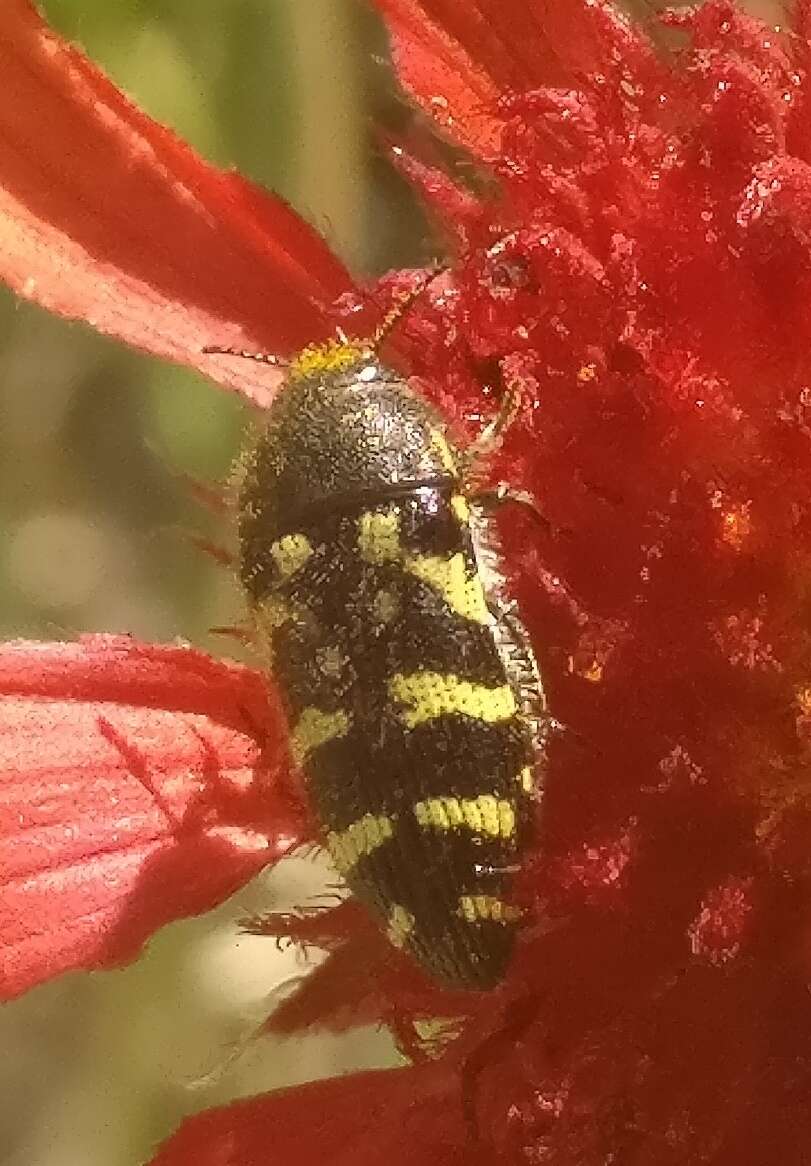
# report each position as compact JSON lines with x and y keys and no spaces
{"x":415,"y":706}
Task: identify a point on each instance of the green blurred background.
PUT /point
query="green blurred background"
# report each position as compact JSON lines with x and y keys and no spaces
{"x":97,"y":520}
{"x":97,"y":525}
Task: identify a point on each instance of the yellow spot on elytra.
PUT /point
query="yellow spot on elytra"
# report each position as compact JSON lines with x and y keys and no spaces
{"x":400,"y":926}
{"x":325,"y":359}
{"x":484,"y":815}
{"x":274,"y":611}
{"x":379,"y":536}
{"x":461,"y":509}
{"x":526,"y":779}
{"x":315,"y":728}
{"x":473,"y":908}
{"x":462,"y":592}
{"x":385,"y":606}
{"x":330,"y":661}
{"x":347,"y":846}
{"x":290,"y":553}
{"x":428,"y":695}
{"x":442,"y":449}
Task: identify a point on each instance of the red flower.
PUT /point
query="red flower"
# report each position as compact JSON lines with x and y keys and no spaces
{"x":638,"y":262}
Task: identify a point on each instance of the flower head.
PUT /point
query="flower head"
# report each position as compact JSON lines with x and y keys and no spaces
{"x":635,"y":261}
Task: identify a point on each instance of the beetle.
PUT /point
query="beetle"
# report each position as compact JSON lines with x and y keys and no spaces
{"x":373,"y":575}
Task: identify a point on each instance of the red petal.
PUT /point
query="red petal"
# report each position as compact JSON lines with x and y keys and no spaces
{"x":402,"y":1117}
{"x":454,"y":206}
{"x":132,"y":792}
{"x":106,"y":216}
{"x":440,"y":74}
{"x":457,"y":60}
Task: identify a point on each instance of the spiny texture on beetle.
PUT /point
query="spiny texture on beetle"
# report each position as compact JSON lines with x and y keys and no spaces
{"x":414,"y":704}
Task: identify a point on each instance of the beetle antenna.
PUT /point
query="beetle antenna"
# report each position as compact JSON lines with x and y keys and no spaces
{"x":246,"y":354}
{"x":387,"y":325}
{"x":402,"y":304}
